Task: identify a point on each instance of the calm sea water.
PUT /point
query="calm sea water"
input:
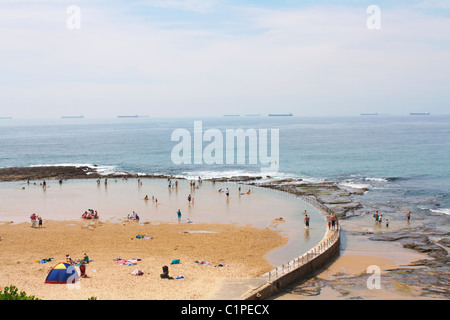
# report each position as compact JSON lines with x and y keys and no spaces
{"x":403,"y":160}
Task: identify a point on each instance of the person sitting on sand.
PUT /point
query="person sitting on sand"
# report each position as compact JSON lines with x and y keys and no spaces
{"x":133,"y":216}
{"x":69,"y":259}
{"x":86,"y":258}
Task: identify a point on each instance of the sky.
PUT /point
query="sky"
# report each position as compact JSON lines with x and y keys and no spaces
{"x":104,"y":58}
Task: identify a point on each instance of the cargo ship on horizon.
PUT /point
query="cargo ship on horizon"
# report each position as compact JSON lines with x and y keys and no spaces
{"x":280,"y":114}
{"x":72,"y":117}
{"x":131,"y":116}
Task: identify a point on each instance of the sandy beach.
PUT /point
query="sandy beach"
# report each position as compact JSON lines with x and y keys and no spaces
{"x":240,"y":249}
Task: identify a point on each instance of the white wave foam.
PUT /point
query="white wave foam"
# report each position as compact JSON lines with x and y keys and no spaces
{"x":313,"y":180}
{"x":230,"y":174}
{"x":354,"y":185}
{"x":444,"y":210}
{"x":376,"y":179}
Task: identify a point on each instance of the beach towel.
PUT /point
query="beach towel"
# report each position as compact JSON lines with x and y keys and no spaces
{"x":203,"y":262}
{"x":129,"y":262}
{"x":206,"y":263}
{"x":137,"y":272}
{"x":43,"y":260}
{"x":142,"y":237}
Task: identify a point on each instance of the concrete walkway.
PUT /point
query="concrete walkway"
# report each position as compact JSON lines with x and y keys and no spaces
{"x":235,"y":288}
{"x":239,"y":288}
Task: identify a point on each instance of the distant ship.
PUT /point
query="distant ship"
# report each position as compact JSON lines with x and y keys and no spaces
{"x":280,"y":114}
{"x":231,"y":115}
{"x":72,"y":117}
{"x":369,"y":114}
{"x":419,"y":114}
{"x":5,"y":118}
{"x":135,"y":116}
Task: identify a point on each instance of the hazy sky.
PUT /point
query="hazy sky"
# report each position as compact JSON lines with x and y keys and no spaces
{"x":211,"y":57}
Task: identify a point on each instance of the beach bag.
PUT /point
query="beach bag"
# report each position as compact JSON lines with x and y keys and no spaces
{"x":175,"y":261}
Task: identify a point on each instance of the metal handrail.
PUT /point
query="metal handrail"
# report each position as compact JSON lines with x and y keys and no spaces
{"x":320,"y":248}
{"x":311,"y":254}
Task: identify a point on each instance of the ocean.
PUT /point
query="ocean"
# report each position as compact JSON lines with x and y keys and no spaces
{"x":403,"y":161}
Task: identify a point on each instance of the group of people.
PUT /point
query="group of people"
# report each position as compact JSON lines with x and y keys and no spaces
{"x":379,"y":219}
{"x":81,"y":263}
{"x":172,"y":185}
{"x":133,"y":216}
{"x":35,"y":219}
{"x":227,"y":191}
{"x":90,"y":214}
{"x":85,"y":259}
{"x":146,"y":198}
{"x":332,"y":221}
{"x":190,"y":199}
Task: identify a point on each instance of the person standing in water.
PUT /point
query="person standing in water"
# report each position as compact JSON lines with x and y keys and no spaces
{"x":408,"y":216}
{"x":179,"y":215}
{"x":307,"y":221}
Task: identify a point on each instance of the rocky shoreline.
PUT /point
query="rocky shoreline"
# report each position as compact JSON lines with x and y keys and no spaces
{"x":60,"y":172}
{"x":429,"y":275}
{"x":426,"y":278}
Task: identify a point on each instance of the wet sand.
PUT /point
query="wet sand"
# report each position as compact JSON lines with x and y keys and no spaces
{"x":241,"y":249}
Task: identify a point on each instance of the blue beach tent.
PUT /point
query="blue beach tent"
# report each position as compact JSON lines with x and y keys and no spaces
{"x":62,"y":273}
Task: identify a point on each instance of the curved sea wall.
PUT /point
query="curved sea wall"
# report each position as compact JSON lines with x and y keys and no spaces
{"x":303,"y":266}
